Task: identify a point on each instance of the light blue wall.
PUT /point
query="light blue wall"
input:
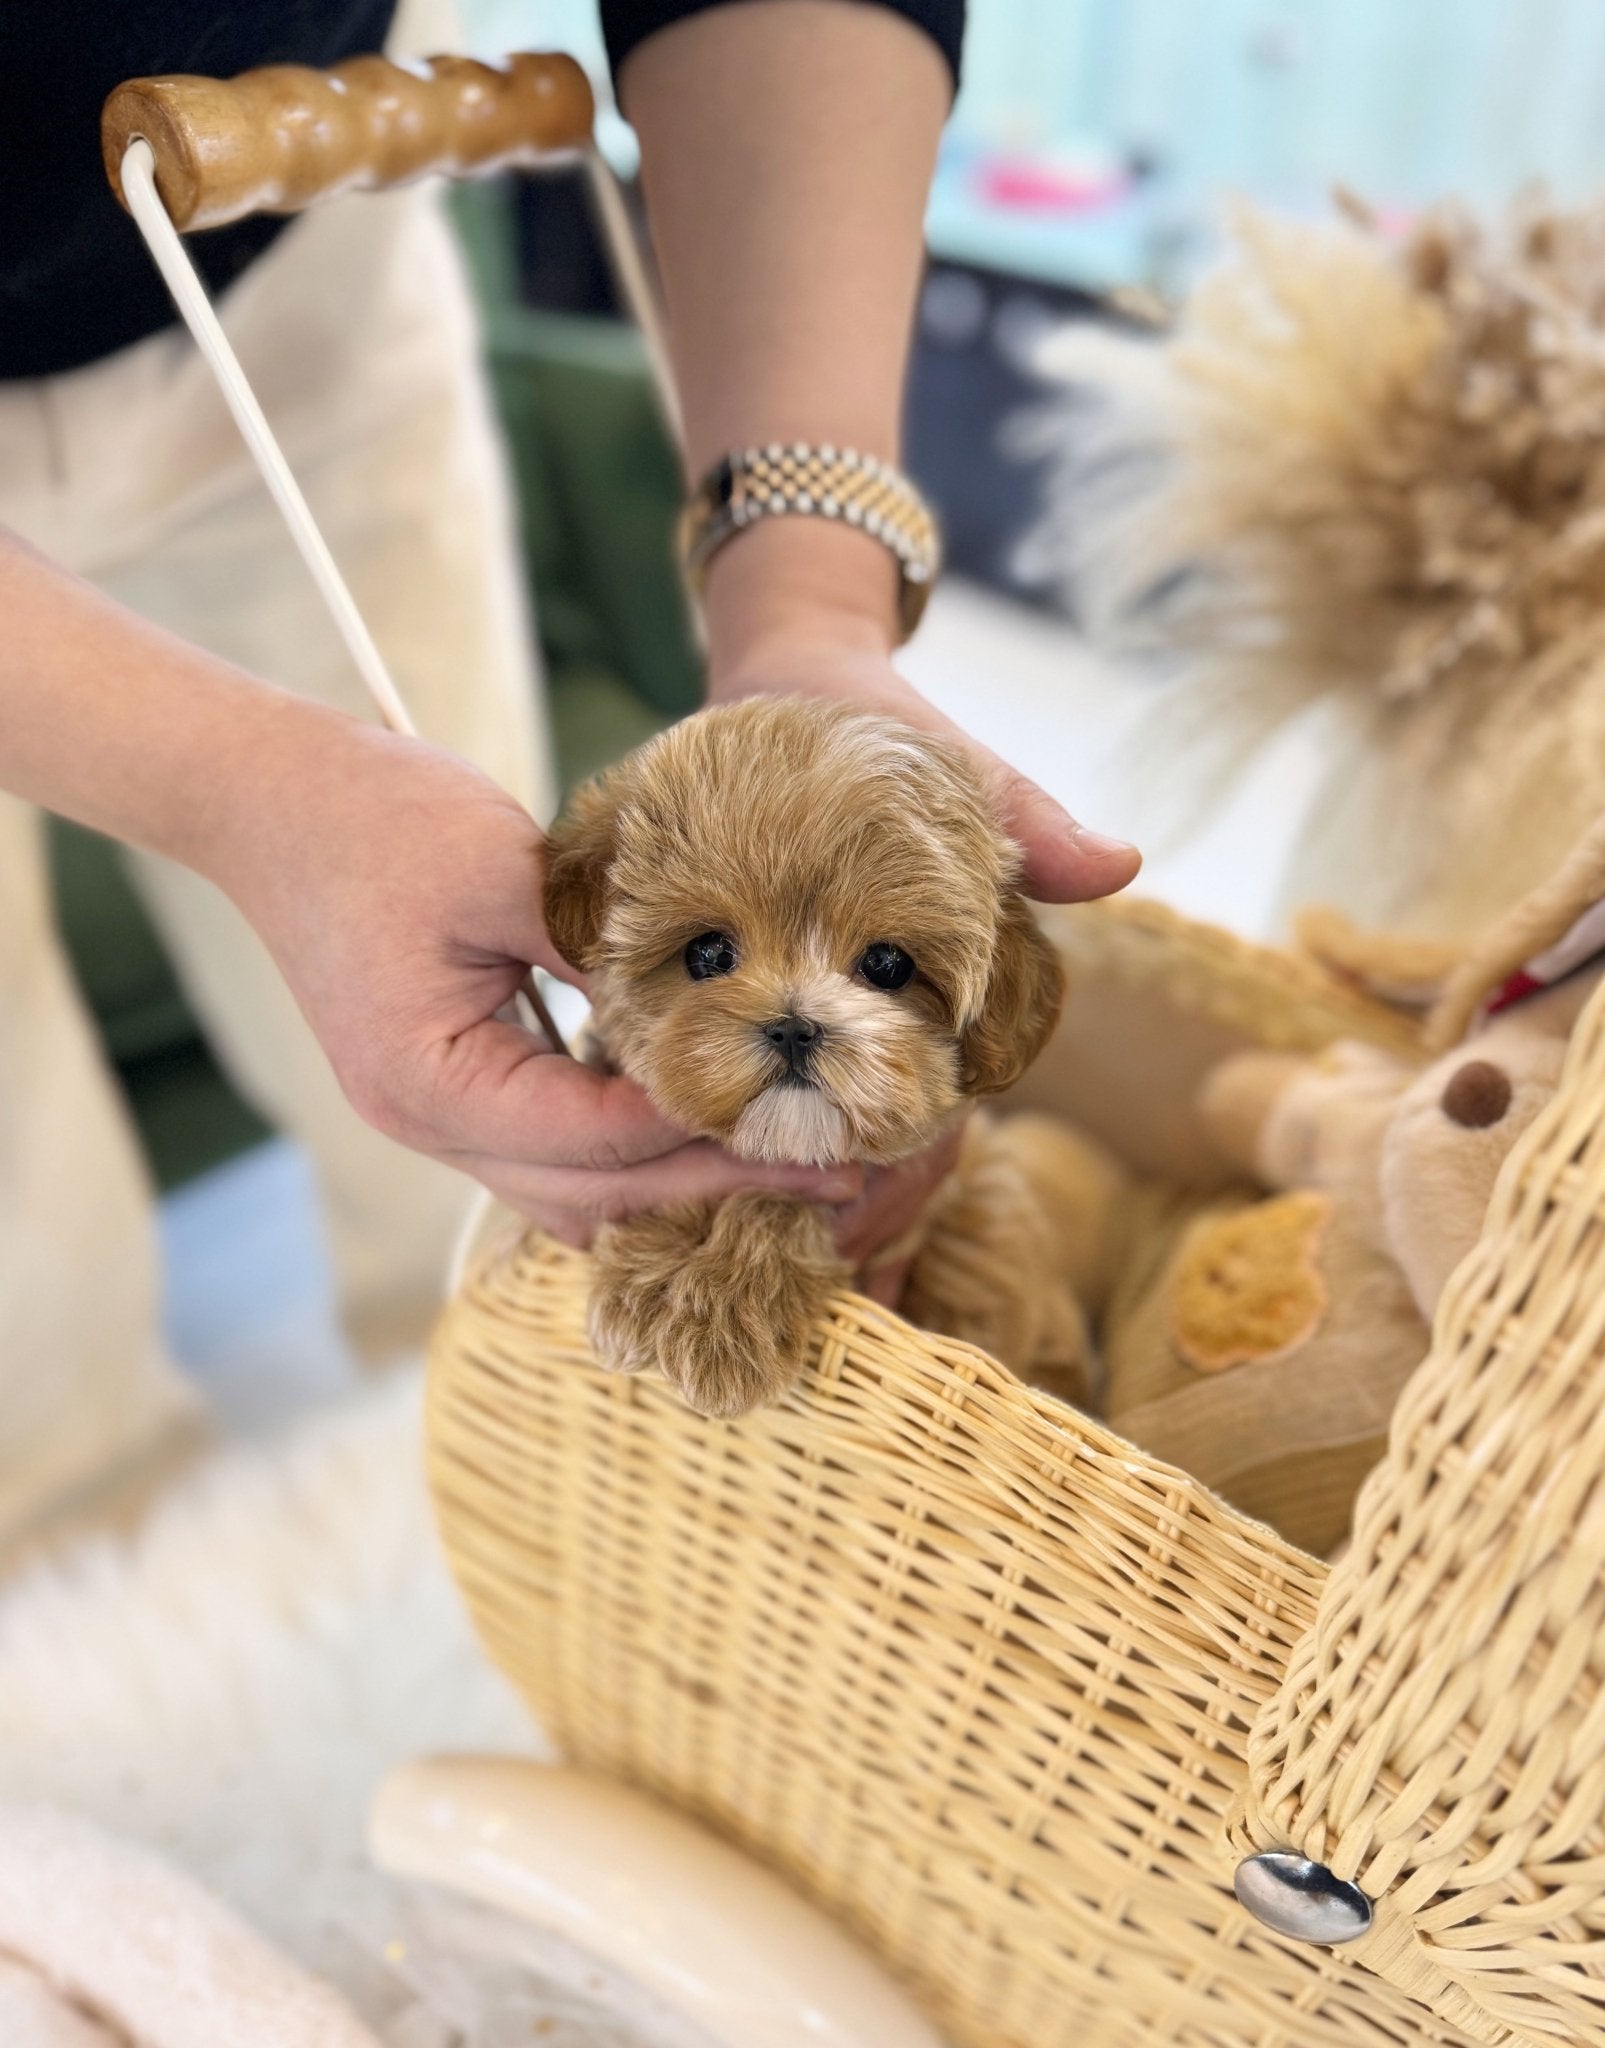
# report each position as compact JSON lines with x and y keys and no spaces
{"x":1403,"y":99}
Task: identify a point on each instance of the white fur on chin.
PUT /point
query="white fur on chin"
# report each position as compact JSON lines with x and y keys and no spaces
{"x":798,"y":1125}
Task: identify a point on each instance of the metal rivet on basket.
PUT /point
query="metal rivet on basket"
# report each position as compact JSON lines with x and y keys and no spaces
{"x":1301,"y":1899}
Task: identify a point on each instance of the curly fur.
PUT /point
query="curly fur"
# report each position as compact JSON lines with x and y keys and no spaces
{"x":806,"y":832}
{"x":1002,"y":1241}
{"x":720,"y":1300}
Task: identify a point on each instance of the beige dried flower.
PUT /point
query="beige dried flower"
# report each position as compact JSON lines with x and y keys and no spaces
{"x":1374,"y":469}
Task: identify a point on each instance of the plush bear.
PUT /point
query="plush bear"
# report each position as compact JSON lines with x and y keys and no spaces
{"x":1262,"y":1169}
{"x":1258,"y":1335}
{"x":1269,"y":1353}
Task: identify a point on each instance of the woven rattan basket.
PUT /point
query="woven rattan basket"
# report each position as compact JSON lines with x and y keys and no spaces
{"x":1013,"y":1700}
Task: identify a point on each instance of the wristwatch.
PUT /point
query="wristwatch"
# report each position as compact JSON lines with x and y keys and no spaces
{"x":824,"y":482}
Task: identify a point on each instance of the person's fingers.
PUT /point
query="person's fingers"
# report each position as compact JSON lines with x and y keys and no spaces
{"x":495,"y":1090}
{"x":536,"y":947}
{"x":566,"y":1225}
{"x":885,"y":1283}
{"x":1064,"y":862}
{"x":893,"y":1198}
{"x":572,"y":1201}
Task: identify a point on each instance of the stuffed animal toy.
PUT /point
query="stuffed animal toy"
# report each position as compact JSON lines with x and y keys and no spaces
{"x":803,"y":936}
{"x":1367,"y":470}
{"x":1308,"y":1309}
{"x":1259,"y":1340}
{"x":1258,"y":1336}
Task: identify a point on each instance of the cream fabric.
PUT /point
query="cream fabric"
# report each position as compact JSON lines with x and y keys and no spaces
{"x":356,"y":330}
{"x":34,"y":2014}
{"x":123,"y":1933}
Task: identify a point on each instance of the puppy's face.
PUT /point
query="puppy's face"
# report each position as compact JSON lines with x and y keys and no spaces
{"x":801,"y":930}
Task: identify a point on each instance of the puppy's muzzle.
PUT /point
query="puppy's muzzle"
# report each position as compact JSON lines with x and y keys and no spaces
{"x":794,"y":1039}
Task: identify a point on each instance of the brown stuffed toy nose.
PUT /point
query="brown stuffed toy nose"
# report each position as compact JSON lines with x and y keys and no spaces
{"x":1476,"y":1095}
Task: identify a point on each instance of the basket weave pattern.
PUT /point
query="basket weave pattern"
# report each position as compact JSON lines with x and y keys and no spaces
{"x":1441,"y":1735}
{"x":975,"y":1674}
{"x":1011,"y":1698}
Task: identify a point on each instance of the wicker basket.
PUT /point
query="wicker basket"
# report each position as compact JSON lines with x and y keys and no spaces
{"x":1013,"y":1699}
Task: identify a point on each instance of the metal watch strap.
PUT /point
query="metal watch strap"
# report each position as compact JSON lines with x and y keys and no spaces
{"x":822,"y":482}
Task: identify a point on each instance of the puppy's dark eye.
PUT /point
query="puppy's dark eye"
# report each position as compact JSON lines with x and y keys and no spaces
{"x":710,"y":954}
{"x":886,"y":966}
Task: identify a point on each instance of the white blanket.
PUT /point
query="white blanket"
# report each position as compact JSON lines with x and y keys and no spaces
{"x":102,"y":1942}
{"x":228,"y":1688}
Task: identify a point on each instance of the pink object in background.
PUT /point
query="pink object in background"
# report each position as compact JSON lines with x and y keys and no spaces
{"x":1050,"y":184}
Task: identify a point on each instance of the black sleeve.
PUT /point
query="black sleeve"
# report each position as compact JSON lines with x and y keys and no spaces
{"x":628,"y":22}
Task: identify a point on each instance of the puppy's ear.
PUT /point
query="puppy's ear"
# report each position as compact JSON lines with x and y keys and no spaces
{"x":1023,"y":1000}
{"x":579,"y":852}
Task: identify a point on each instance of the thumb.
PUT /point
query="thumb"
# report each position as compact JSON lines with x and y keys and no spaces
{"x":1065,"y":862}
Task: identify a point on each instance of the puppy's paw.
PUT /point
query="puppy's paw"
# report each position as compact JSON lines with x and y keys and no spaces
{"x":744,"y":1315}
{"x":620,"y":1325}
{"x":638,"y":1264}
{"x":722,"y":1367}
{"x":722,"y":1302}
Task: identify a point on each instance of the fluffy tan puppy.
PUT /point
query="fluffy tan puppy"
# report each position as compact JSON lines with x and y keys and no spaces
{"x":804,"y":938}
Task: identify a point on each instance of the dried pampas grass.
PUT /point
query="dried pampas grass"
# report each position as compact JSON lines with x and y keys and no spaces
{"x":1371,"y":471}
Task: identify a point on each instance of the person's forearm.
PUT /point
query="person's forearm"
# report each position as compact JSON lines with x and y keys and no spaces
{"x":787,"y":150}
{"x":121,"y":726}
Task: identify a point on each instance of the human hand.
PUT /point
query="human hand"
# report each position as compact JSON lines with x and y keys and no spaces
{"x":1064,"y":862}
{"x":399,"y":891}
{"x":802,"y":607}
{"x":870,"y":1228}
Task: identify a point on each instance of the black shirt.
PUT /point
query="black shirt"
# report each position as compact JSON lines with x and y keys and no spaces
{"x":76,"y":281}
{"x":628,"y":22}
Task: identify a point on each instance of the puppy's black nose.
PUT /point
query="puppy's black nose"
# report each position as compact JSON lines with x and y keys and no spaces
{"x":794,"y":1038}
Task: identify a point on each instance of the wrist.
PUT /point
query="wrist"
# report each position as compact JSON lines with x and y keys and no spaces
{"x":796,"y":580}
{"x":266,"y":764}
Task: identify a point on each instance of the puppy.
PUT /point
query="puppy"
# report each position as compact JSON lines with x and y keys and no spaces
{"x":804,"y":938}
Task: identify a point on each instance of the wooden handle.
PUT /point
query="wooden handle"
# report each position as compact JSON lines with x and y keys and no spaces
{"x":275,"y":140}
